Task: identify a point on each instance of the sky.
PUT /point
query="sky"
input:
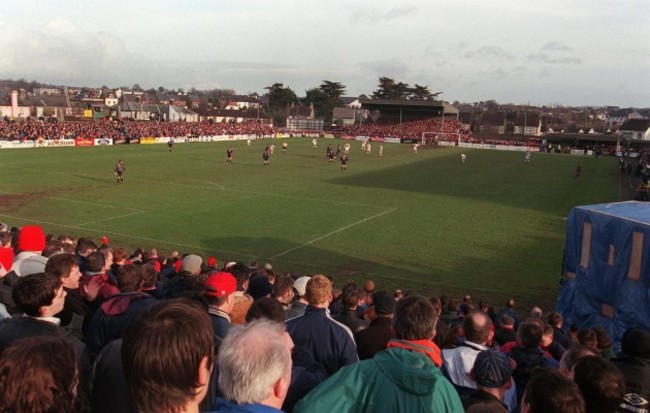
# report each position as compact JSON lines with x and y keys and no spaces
{"x":538,"y":52}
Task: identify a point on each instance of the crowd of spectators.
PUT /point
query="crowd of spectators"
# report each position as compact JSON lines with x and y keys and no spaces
{"x":88,"y":327}
{"x":411,"y":129}
{"x":125,"y":129}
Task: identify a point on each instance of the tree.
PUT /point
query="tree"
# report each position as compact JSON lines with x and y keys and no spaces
{"x":333,"y":92}
{"x":279,"y":98}
{"x":321,"y":102}
{"x":390,"y":90}
{"x":418,"y":92}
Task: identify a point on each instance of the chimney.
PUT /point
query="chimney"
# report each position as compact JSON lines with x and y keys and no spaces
{"x":14,"y":103}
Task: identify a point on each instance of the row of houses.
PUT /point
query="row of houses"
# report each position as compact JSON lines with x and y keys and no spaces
{"x":630,"y":124}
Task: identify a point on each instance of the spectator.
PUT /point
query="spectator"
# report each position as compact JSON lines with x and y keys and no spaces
{"x":254,"y":368}
{"x":283,"y":291}
{"x":39,"y":297}
{"x":509,"y":309}
{"x":571,"y":357}
{"x":259,"y":286}
{"x":83,"y":249}
{"x":555,"y":320}
{"x":505,"y":333}
{"x":463,"y":310}
{"x":300,"y":302}
{"x":150,"y":277}
{"x":442,"y":329}
{"x":458,"y":362}
{"x":528,"y":355}
{"x":168,"y":355}
{"x":97,"y":273}
{"x":492,"y":372}
{"x":634,"y":363}
{"x":219,"y":292}
{"x":375,"y":338}
{"x":549,"y":391}
{"x":76,"y":310}
{"x":587,"y":337}
{"x":243,"y":301}
{"x":404,"y":377}
{"x":330,"y":343}
{"x":114,"y":315}
{"x":605,"y":346}
{"x":549,"y":345}
{"x":31,"y":242}
{"x":451,"y":312}
{"x":191,"y":264}
{"x":38,"y":375}
{"x":303,"y":379}
{"x":348,"y":315}
{"x":601,"y":383}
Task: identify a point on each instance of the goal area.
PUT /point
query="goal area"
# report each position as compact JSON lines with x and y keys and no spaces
{"x":432,"y":138}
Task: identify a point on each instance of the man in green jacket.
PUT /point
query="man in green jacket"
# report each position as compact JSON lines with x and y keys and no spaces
{"x":405,"y":377}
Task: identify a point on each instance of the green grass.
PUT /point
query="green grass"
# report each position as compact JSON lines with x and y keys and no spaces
{"x":494,"y":226}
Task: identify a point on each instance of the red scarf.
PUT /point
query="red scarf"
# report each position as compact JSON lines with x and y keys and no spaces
{"x":427,"y":347}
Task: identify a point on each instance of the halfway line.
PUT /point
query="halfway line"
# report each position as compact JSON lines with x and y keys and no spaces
{"x":333,"y":232}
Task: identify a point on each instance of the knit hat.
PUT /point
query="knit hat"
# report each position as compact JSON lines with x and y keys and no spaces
{"x":212,"y":262}
{"x":301,"y":285}
{"x":220,"y":284}
{"x":31,"y":238}
{"x":105,"y":240}
{"x":268,"y":266}
{"x":192,"y":263}
{"x":259,"y":286}
{"x":492,"y":368}
{"x":32,"y":264}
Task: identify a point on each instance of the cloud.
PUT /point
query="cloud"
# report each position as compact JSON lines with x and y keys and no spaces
{"x":389,"y":67}
{"x":494,"y":52}
{"x":376,"y":16}
{"x":556,"y":47}
{"x":545,"y":58}
{"x":494,"y":75}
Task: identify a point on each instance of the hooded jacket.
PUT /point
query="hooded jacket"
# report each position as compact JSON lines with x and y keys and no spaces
{"x":395,"y":380}
{"x":113,"y":317}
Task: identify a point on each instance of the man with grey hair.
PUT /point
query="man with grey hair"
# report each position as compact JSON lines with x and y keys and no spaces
{"x":254,"y":368}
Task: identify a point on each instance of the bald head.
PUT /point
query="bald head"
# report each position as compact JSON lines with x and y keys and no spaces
{"x":478,"y":327}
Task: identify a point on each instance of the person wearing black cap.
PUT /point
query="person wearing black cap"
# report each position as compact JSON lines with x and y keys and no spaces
{"x":259,"y":286}
{"x":374,"y":338}
{"x":492,"y":373}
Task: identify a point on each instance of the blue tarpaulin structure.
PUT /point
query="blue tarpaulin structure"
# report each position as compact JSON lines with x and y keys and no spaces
{"x":606,"y":270}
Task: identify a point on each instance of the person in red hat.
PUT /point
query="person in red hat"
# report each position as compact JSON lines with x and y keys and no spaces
{"x":31,"y":243}
{"x":219,"y":291}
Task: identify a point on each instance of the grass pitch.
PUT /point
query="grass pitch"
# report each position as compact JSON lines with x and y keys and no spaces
{"x":494,"y":226}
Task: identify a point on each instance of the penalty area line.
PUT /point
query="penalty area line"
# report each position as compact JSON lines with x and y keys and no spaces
{"x":333,"y":232}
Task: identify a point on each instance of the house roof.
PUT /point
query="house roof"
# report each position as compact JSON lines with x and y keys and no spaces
{"x":529,"y":119}
{"x":635,"y":125}
{"x":343,"y":113}
{"x":397,"y":103}
{"x":493,"y":118}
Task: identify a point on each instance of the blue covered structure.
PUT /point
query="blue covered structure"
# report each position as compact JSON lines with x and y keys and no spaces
{"x":606,"y":270}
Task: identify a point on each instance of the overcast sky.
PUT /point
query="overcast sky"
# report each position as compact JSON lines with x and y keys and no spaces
{"x":546,"y":52}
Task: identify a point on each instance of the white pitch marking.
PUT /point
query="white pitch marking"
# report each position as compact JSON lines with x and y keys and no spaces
{"x":111,"y":218}
{"x":333,"y":232}
{"x":119,"y":234}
